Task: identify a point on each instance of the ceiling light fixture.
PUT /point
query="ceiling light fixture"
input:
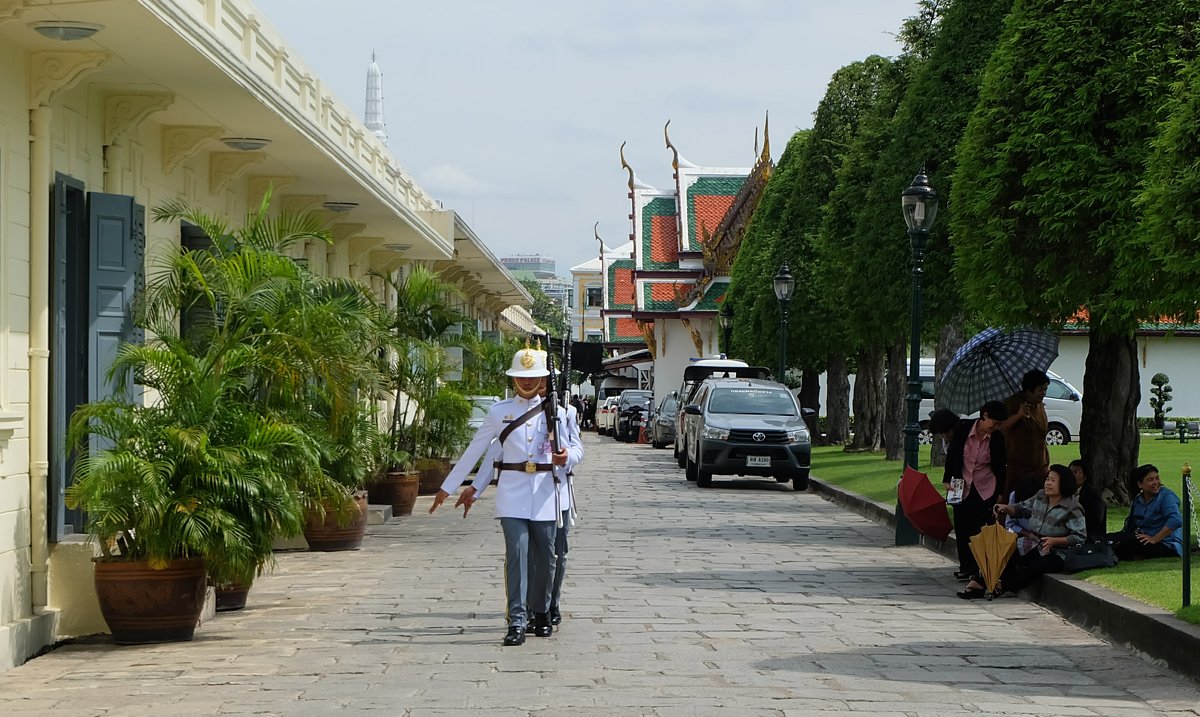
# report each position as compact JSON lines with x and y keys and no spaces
{"x":397,"y":247}
{"x":245,"y":144}
{"x":340,"y":207}
{"x":65,"y":29}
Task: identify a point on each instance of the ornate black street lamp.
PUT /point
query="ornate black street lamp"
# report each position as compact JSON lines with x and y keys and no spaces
{"x":784,"y":286}
{"x":725,"y":319}
{"x":920,"y":204}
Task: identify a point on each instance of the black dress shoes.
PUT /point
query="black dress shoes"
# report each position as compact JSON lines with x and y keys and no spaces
{"x":541,"y":625}
{"x":515,"y":636}
{"x":555,"y":616}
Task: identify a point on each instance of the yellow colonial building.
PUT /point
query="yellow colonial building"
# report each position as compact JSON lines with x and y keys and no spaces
{"x":110,"y":107}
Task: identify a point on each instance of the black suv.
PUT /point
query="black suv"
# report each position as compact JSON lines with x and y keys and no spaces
{"x":631,"y":410}
{"x":743,"y":427}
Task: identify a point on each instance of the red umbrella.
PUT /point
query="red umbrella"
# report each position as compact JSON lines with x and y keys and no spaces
{"x":923,"y":505}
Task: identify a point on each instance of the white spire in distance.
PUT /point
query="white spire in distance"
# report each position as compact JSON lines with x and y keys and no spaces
{"x":374,"y":114}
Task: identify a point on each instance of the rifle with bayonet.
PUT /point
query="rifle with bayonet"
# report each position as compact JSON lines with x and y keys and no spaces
{"x":551,"y":404}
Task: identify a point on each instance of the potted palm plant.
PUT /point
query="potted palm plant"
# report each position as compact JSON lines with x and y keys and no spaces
{"x":315,"y":337}
{"x":189,"y":487}
{"x":417,"y":326}
{"x":225,"y":458}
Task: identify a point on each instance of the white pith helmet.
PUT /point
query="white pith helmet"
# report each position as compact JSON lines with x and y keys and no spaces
{"x":528,"y":363}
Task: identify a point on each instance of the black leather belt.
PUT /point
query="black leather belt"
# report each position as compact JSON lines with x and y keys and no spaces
{"x":527,"y":467}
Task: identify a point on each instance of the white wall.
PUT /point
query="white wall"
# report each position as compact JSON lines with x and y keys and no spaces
{"x":1178,"y":357}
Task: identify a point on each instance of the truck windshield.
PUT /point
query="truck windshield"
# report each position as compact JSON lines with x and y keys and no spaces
{"x":752,"y":401}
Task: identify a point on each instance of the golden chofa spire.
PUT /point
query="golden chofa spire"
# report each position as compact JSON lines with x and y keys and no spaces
{"x":766,"y":149}
{"x":674,"y":152}
{"x":677,"y":161}
{"x":626,"y":167}
{"x":634,"y":182}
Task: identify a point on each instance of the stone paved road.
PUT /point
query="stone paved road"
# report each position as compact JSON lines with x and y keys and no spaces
{"x":741,"y":600}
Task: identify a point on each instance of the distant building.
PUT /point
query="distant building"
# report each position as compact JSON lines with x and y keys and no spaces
{"x":542,"y":269}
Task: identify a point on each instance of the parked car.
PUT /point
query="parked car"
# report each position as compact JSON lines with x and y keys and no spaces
{"x":1064,"y":407}
{"x":662,"y":421}
{"x":605,"y":414}
{"x":746,"y":426}
{"x":631,"y":410}
{"x":693,"y":376}
{"x":479,"y":409}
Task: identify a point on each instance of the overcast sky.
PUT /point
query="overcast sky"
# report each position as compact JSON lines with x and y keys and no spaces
{"x":512,"y":113}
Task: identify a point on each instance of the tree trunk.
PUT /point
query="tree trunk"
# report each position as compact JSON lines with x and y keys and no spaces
{"x":1109,"y":439}
{"x":950,"y":340}
{"x":810,"y":397}
{"x":837,"y":401}
{"x":895,"y":411}
{"x":868,"y":401}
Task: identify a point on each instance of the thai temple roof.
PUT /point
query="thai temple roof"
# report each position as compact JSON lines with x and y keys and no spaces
{"x":684,"y":243}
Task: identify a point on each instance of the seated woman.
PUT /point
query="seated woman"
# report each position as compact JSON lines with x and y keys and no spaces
{"x":1154,"y":528}
{"x":1056,"y":523}
{"x":1095,"y":511}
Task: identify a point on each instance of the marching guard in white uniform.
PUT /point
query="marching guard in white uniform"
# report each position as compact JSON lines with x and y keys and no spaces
{"x":528,"y":498}
{"x":569,"y":430}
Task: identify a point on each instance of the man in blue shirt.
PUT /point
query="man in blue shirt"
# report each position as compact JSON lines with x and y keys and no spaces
{"x":1154,"y":528}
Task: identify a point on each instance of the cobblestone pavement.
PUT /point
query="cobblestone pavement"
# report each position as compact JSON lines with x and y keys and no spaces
{"x":747,"y":599}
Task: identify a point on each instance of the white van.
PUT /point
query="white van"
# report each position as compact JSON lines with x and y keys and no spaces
{"x":1064,"y":407}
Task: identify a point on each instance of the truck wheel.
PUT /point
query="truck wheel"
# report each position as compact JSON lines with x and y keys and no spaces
{"x":680,"y":457}
{"x":690,"y":469}
{"x":800,"y":481}
{"x":703,"y":477}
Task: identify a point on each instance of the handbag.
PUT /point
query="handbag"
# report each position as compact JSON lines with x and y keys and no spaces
{"x":1089,"y":556}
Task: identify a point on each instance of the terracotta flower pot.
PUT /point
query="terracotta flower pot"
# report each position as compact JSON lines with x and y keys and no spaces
{"x":231,"y":597}
{"x":142,"y":605}
{"x":433,"y":473}
{"x":327,"y":534}
{"x":397,"y":489}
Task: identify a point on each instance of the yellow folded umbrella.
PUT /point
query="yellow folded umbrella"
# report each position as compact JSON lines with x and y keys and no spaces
{"x":992,"y":548}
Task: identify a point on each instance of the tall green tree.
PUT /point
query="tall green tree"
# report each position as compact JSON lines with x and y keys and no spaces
{"x":1166,"y":255}
{"x":858,"y":252}
{"x":1044,"y":190}
{"x":817,"y":340}
{"x":938,"y":79}
{"x":751,"y":295}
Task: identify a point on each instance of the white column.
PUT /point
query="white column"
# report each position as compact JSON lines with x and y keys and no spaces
{"x":40,"y":180}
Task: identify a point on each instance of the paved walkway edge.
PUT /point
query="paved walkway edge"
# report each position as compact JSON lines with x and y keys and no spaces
{"x":1121,"y":620}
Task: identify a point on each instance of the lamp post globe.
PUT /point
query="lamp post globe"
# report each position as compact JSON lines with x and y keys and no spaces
{"x":725,"y":319}
{"x":919,"y":203}
{"x":784,"y":285}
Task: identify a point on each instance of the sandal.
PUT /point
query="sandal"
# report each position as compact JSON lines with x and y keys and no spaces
{"x":970,"y":593}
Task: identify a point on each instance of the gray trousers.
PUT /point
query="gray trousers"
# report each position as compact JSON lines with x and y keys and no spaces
{"x":528,"y":566}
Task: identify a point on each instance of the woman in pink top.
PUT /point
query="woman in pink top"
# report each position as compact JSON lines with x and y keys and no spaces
{"x":976,"y":455}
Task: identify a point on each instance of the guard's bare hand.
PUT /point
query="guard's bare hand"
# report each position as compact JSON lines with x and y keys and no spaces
{"x":560,"y":458}
{"x":438,"y":500}
{"x":466,"y":500}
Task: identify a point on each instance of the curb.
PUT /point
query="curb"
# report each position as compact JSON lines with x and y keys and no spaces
{"x":1143,"y":628}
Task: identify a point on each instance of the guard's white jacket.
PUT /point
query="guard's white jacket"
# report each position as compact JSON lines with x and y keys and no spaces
{"x":572,"y":441}
{"x":529,"y":496}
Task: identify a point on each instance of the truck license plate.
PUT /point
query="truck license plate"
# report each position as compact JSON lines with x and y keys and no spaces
{"x":758,"y":461}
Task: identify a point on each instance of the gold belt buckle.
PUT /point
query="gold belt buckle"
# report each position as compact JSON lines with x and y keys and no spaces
{"x":530,"y":467}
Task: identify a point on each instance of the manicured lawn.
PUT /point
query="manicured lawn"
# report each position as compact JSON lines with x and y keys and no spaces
{"x":1157,"y":582}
